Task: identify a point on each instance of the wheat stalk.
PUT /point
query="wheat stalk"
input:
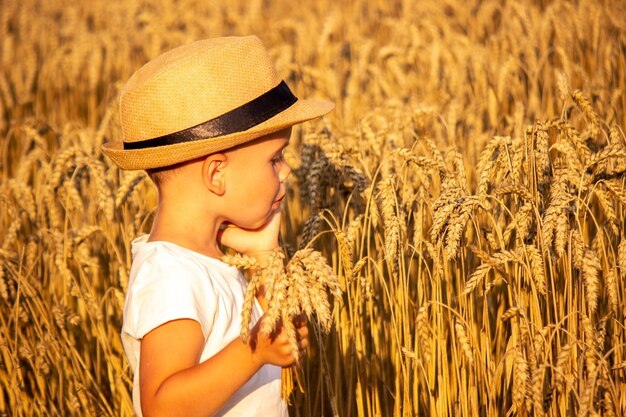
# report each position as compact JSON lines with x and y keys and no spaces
{"x":424,"y":333}
{"x":591,"y":267}
{"x":521,"y":378}
{"x":537,"y":389}
{"x":388,"y":208}
{"x":537,"y":268}
{"x":583,"y":103}
{"x":464,"y":341}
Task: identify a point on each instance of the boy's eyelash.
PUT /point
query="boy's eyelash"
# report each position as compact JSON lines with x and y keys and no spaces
{"x":278,"y":157}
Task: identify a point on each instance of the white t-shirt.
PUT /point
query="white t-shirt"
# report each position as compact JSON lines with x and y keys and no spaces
{"x":169,"y":282}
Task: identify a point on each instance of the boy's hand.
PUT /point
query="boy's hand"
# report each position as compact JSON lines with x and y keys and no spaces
{"x":275,"y":348}
{"x":251,"y":241}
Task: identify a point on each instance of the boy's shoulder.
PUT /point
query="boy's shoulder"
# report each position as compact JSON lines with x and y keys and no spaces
{"x":168,"y":281}
{"x":169,"y":260}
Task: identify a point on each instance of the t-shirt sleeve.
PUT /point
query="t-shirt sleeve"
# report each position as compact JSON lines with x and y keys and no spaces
{"x":166,"y":289}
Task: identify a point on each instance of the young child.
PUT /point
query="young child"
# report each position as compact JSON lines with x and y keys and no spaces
{"x":209,"y":122}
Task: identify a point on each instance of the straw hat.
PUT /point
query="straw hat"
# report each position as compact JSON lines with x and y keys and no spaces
{"x":202,"y":98}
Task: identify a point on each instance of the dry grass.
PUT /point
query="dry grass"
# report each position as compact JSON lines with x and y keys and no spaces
{"x":469,"y":191}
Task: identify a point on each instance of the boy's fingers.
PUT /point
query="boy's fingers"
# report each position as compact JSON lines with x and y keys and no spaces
{"x":224,"y":231}
{"x":251,"y":240}
{"x":304,"y":343}
{"x":299,"y":320}
{"x":302,"y":331}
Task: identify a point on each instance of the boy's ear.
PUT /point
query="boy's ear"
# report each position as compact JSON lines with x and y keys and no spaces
{"x":213,"y":173}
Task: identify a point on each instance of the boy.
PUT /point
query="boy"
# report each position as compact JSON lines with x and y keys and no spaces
{"x":209,"y":122}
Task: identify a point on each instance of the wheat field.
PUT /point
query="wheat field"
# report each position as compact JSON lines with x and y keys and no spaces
{"x":469,"y":191}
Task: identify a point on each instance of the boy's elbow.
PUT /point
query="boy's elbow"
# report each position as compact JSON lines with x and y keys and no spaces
{"x":152,"y":407}
{"x":155,"y":406}
{"x":157,"y":400}
{"x":151,"y":411}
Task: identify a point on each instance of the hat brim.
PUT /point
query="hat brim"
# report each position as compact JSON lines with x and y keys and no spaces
{"x":162,"y":156}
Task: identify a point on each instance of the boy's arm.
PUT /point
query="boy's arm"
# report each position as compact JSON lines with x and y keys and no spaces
{"x":174,"y":383}
{"x":172,"y":380}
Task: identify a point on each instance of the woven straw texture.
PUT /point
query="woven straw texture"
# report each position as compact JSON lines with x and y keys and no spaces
{"x":195,"y":83}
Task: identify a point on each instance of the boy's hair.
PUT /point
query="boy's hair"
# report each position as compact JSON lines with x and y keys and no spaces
{"x":159,"y":175}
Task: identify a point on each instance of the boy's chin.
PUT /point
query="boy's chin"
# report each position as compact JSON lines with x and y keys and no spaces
{"x":252,"y":226}
{"x":255,"y":224}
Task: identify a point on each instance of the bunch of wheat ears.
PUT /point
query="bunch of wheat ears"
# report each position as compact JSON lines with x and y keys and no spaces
{"x":299,"y":287}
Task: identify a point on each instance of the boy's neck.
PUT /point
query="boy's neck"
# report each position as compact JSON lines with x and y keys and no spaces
{"x":187,"y":227}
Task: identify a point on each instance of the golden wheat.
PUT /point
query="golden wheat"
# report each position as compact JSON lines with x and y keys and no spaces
{"x":468,"y":191}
